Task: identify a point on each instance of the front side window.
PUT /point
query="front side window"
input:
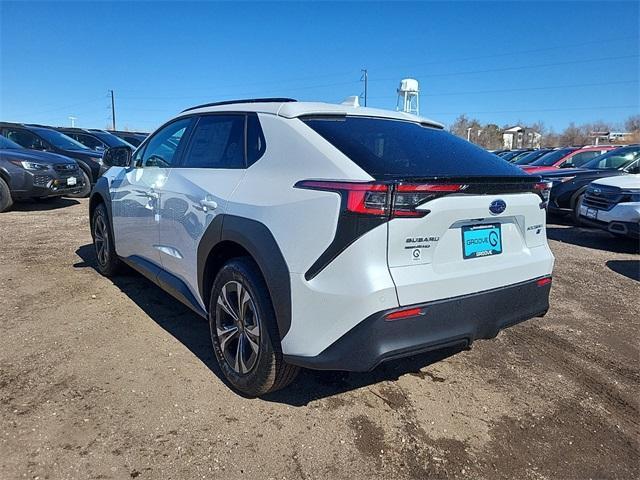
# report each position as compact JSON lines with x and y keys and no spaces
{"x":162,"y":147}
{"x":217,"y":142}
{"x":386,"y":148}
{"x":25,"y":138}
{"x":88,"y":141}
{"x":580,"y":159}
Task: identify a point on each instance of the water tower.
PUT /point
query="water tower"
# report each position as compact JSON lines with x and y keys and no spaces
{"x":408,"y":92}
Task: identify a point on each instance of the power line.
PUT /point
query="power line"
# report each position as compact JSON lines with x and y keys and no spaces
{"x":565,"y":109}
{"x":521,"y":89}
{"x":523,"y":67}
{"x":388,"y":67}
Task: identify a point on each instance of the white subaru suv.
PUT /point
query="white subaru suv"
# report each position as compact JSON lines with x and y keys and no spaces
{"x":325,"y":236}
{"x":613,"y":204}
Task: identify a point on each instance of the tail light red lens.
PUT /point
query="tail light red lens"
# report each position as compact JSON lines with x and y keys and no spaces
{"x":544,"y":190}
{"x":543,"y":281}
{"x":400,"y":314}
{"x":383,"y":199}
{"x":408,"y":197}
{"x":363,"y":198}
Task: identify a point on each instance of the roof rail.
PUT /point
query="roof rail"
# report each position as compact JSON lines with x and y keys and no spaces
{"x":248,"y":100}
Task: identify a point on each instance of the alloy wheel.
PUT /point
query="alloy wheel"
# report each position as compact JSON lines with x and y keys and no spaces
{"x":237,"y":327}
{"x":101,"y":240}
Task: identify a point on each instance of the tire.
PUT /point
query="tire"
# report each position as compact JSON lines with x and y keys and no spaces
{"x":5,"y":196}
{"x":107,"y":261}
{"x":251,"y":330}
{"x":86,"y":186}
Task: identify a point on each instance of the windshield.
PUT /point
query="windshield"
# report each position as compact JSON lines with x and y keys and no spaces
{"x":387,"y":148}
{"x":530,"y":157}
{"x":7,"y":144}
{"x":552,"y":157}
{"x":59,"y":140}
{"x":109,"y":139}
{"x":615,"y":159}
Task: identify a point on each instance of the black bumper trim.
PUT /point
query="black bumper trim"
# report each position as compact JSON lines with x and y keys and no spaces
{"x":631,"y":229}
{"x":445,"y":323}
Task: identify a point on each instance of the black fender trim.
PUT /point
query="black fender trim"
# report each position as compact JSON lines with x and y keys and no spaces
{"x":101,"y":190}
{"x":258,"y":240}
{"x":166,"y":281}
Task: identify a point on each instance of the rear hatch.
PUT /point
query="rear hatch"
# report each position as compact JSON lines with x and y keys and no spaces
{"x":460,"y":220}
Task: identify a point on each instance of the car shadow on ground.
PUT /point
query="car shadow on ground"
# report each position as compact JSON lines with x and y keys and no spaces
{"x":193,"y":332}
{"x":43,"y":205}
{"x":562,"y":230}
{"x":627,"y":268}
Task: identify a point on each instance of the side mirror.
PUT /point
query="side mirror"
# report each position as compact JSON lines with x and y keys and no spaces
{"x":117,"y":157}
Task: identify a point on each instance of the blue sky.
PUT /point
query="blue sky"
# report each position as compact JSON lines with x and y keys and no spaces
{"x":499,"y":62}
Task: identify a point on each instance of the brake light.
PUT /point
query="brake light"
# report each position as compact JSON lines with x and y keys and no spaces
{"x":382,"y":199}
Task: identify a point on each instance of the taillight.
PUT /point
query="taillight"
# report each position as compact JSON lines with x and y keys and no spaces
{"x":543,"y":189}
{"x":382,"y":199}
{"x":408,"y":197}
{"x":363,"y":198}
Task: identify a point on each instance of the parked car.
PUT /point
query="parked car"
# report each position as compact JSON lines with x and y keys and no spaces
{"x":569,"y":157}
{"x":613,"y":204}
{"x":133,"y":138}
{"x":325,"y":236}
{"x":31,"y":174}
{"x":95,"y":139}
{"x":46,"y":139}
{"x":509,"y":155}
{"x":529,"y":157}
{"x":569,"y":185}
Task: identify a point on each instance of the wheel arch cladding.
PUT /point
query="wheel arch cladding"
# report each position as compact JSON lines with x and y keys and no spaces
{"x":100,"y":194}
{"x":230,"y":236}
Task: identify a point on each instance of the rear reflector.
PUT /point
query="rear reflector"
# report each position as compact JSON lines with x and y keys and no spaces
{"x":543,"y":281}
{"x":411,"y":312}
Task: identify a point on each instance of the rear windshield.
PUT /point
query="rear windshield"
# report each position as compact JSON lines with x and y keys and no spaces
{"x":552,"y":158}
{"x":530,"y":157}
{"x":386,"y":148}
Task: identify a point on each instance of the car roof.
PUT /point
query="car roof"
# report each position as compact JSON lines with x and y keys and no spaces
{"x":291,"y":109}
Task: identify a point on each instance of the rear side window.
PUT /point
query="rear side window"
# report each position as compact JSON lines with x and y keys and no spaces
{"x":255,"y":139}
{"x":217,"y":142}
{"x":387,"y":148}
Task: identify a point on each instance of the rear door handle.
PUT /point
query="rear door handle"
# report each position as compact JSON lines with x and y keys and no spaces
{"x":208,"y":204}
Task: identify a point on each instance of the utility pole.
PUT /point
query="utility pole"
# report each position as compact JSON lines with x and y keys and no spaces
{"x":113,"y":111}
{"x":365,"y":78}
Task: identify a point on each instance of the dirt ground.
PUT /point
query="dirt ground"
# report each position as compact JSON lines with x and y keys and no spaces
{"x":114,"y":379}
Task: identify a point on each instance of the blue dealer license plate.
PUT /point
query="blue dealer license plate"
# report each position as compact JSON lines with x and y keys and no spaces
{"x":481,"y":240}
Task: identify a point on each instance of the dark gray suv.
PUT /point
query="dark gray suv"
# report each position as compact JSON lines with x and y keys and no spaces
{"x":28,"y":173}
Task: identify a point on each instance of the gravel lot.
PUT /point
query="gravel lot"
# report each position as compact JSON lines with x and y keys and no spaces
{"x":114,"y":379}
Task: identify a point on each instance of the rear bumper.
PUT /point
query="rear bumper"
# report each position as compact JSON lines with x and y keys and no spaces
{"x":444,"y":323}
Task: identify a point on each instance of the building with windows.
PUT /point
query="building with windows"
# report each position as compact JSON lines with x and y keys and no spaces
{"x":520,"y":137}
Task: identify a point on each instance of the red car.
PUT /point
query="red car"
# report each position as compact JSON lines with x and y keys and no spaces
{"x":569,"y":157}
